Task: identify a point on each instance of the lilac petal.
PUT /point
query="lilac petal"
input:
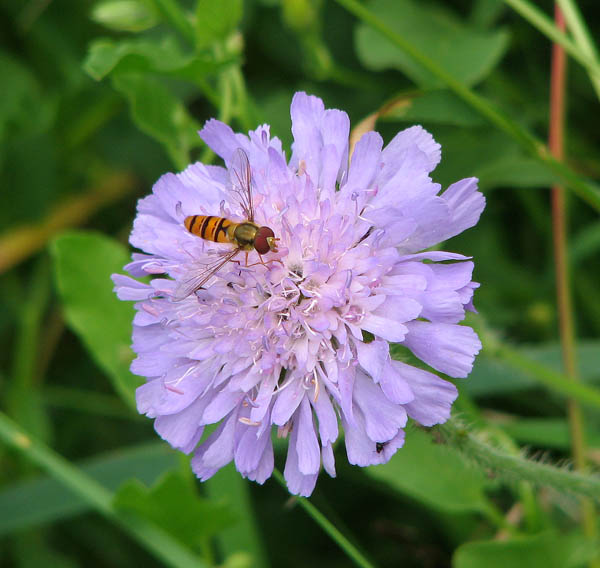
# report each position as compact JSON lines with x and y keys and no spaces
{"x":328,"y":459}
{"x":286,"y":401}
{"x":366,"y":160}
{"x":387,"y":321}
{"x":307,"y":112}
{"x":182,"y":430}
{"x":433,"y":396}
{"x":329,"y":170}
{"x":265,"y":466}
{"x":328,"y":425}
{"x":222,"y":140}
{"x":221,"y":405}
{"x":130,"y":289}
{"x":442,"y":306}
{"x":297,"y":482}
{"x":346,"y":387}
{"x":413,"y":137}
{"x":307,"y":446}
{"x":154,"y":399}
{"x":449,"y":348}
{"x":136,"y":267}
{"x":382,"y":418}
{"x":388,"y":449}
{"x":217,"y":450}
{"x":394,"y":386}
{"x":373,"y":357}
{"x":148,"y":338}
{"x":250,"y":448}
{"x":466,"y":296}
{"x":361,"y":450}
{"x":384,"y":327}
{"x":435,"y":255}
{"x":335,"y":129}
{"x":453,"y":276}
{"x":466,"y":205}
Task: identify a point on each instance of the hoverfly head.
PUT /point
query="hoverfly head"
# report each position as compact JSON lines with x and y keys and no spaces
{"x":265,"y":241}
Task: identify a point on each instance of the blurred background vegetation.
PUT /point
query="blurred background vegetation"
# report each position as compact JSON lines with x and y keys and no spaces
{"x":99,"y":98}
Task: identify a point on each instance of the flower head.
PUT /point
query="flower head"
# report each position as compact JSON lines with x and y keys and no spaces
{"x":297,"y":340}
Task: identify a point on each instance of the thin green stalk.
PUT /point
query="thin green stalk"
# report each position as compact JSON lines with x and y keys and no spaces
{"x":583,"y":188}
{"x":164,"y":547}
{"x":581,"y":35}
{"x":544,"y":24}
{"x":563,"y":288}
{"x":511,"y":468}
{"x":352,"y":552}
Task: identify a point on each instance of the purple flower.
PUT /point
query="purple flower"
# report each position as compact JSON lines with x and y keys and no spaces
{"x":299,"y":344}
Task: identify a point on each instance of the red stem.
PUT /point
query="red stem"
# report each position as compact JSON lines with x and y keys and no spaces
{"x":563,"y":291}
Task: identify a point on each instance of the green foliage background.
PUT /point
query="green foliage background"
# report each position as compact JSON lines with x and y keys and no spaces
{"x":99,"y":98}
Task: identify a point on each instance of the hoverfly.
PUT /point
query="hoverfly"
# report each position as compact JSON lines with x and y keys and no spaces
{"x":247,"y":235}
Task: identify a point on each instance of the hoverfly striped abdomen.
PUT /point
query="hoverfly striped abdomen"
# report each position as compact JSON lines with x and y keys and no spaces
{"x":211,"y":228}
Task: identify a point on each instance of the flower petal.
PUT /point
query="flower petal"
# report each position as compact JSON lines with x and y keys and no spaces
{"x":433,"y":396}
{"x":449,"y":348}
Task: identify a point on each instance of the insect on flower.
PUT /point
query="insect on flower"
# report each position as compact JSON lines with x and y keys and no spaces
{"x":247,"y":235}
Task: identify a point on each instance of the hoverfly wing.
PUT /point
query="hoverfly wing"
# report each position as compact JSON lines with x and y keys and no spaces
{"x":195,"y":279}
{"x":241,"y":182}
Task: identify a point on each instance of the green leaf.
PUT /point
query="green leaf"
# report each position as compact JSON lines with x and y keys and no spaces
{"x":106,"y":56}
{"x":174,"y":504}
{"x":548,"y":550}
{"x":83,"y":263}
{"x":494,"y":376}
{"x":216,"y":20}
{"x":467,"y":53}
{"x":125,"y":15}
{"x":157,"y":112}
{"x":434,"y":475}
{"x":44,"y":500}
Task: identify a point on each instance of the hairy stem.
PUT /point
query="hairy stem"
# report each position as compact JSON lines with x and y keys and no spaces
{"x":513,"y":468}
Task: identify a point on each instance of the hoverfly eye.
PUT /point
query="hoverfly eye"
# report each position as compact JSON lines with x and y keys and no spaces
{"x":261,"y":240}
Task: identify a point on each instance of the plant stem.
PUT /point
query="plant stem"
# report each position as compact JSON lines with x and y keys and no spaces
{"x":581,"y":35}
{"x":544,"y":24}
{"x":563,"y":289}
{"x":352,"y":552}
{"x":150,"y":536}
{"x":509,"y":468}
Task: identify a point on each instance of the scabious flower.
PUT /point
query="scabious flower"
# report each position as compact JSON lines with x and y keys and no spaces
{"x":299,"y":344}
